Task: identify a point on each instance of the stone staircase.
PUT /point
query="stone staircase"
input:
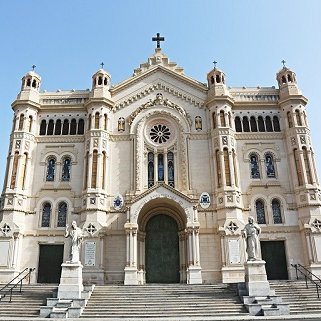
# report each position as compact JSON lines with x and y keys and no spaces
{"x":164,"y":301}
{"x":27,"y":303}
{"x":301,"y":300}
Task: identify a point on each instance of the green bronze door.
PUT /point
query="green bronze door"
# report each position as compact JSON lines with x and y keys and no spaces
{"x":162,"y":251}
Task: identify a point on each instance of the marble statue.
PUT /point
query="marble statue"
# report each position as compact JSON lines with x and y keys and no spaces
{"x":76,"y":235}
{"x":251,"y":233}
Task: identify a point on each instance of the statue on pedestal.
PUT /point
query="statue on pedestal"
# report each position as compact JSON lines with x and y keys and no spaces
{"x":76,"y":236}
{"x":251,"y":233}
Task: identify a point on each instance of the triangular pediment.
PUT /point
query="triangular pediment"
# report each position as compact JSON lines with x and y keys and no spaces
{"x":163,"y":190}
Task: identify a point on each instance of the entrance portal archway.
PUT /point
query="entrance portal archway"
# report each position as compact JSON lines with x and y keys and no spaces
{"x":162,"y":250}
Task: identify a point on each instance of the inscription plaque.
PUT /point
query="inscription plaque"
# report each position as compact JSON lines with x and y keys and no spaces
{"x":90,"y":253}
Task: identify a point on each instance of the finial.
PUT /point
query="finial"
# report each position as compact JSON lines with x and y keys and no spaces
{"x":158,"y":39}
{"x":33,"y":67}
{"x":214,"y":62}
{"x":283,"y":62}
{"x":102,"y":65}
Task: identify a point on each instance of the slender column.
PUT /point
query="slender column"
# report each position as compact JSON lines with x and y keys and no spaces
{"x":195,"y":213}
{"x":303,"y":169}
{"x":197,"y":247}
{"x":165,"y":168}
{"x":223,"y":178}
{"x":101,"y":263}
{"x":230,"y":159}
{"x":18,"y":180}
{"x":99,"y":177}
{"x":155,"y":167}
{"x":127,"y":248}
{"x":143,"y":251}
{"x":312,"y":172}
{"x":27,"y":171}
{"x":10,"y":171}
{"x":190,"y":247}
{"x":15,"y":251}
{"x":134,"y":258}
{"x":90,"y":165}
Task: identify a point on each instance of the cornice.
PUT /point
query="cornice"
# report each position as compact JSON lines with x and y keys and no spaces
{"x":259,"y":136}
{"x":26,"y":103}
{"x":292,"y":98}
{"x":60,"y":139}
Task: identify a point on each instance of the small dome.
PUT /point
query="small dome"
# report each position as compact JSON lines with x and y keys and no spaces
{"x":101,"y":78}
{"x":31,"y":81}
{"x":285,"y":76}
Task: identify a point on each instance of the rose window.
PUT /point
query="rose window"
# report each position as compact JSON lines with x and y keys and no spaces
{"x":159,"y":133}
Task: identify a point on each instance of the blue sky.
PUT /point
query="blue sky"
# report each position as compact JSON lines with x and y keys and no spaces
{"x":67,"y":40}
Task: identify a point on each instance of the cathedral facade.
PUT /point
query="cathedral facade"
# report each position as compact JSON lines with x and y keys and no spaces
{"x":161,"y":172}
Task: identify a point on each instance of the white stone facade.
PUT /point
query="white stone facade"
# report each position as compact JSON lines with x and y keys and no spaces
{"x":114,"y":157}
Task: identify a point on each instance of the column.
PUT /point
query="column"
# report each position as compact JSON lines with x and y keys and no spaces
{"x":99,"y":177}
{"x":8,"y":183}
{"x":127,"y":248}
{"x":223,"y":178}
{"x":197,"y":247}
{"x":312,"y":172}
{"x":165,"y":168}
{"x":17,"y":184}
{"x":15,"y":250}
{"x":89,"y":170}
{"x":303,"y":169}
{"x":230,"y":159}
{"x":155,"y":167}
{"x":101,"y":263}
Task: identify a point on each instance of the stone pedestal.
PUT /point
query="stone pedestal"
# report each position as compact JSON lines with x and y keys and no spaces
{"x":194,"y":275}
{"x":255,"y":279}
{"x":71,"y":284}
{"x":130,"y":276}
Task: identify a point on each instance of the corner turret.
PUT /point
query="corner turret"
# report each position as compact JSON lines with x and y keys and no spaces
{"x":101,"y":84}
{"x":287,"y":82}
{"x":216,"y":83}
{"x":30,"y":86}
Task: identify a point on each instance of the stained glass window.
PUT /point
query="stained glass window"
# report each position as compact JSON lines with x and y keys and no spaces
{"x":160,"y":167}
{"x":260,"y":212}
{"x":150,"y":169}
{"x":269,"y":164}
{"x":66,"y":167}
{"x":276,"y":209}
{"x":170,"y":166}
{"x":51,"y":168}
{"x":46,"y":213}
{"x":255,"y":169}
{"x":62,"y":214}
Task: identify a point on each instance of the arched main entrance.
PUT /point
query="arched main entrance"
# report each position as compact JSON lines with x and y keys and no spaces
{"x":162,"y":250}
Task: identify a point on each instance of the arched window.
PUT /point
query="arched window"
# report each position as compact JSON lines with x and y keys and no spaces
{"x":170,"y":168}
{"x":289,"y":78}
{"x":103,"y":171}
{"x":34,"y":83}
{"x":51,"y":169}
{"x":276,"y":210}
{"x":218,"y":79}
{"x":227,"y":167}
{"x":21,"y":121}
{"x":307,"y":165}
{"x":260,"y":212}
{"x":65,"y":127}
{"x":43,"y":127}
{"x":238,"y":125}
{"x":254,"y":165}
{"x":73,"y":127}
{"x":305,"y":119}
{"x":28,"y":84}
{"x":94,"y":170}
{"x":62,"y":214}
{"x":283,"y":80}
{"x":246,"y":125}
{"x":160,"y":169}
{"x":105,"y":121}
{"x":50,"y":128}
{"x":218,"y":169}
{"x":100,"y":80}
{"x":229,"y":120}
{"x":150,"y":169}
{"x":121,"y":124}
{"x":66,"y":169}
{"x":105,"y":81}
{"x":268,"y":124}
{"x":58,"y":127}
{"x":297,"y":166}
{"x":290,"y":122}
{"x":261,"y":124}
{"x":30,"y":124}
{"x":276,"y":124}
{"x":222,"y":119}
{"x":253,"y":124}
{"x":46,"y":213}
{"x":198,"y":123}
{"x":97,"y":120}
{"x":269,"y":165}
{"x":235,"y":168}
{"x":212,"y":80}
{"x":22,"y":171}
{"x":214,"y":120}
{"x":14,"y":170}
{"x":81,"y":125}
{"x":86,"y":170}
{"x":298,"y":118}
{"x":89,"y":122}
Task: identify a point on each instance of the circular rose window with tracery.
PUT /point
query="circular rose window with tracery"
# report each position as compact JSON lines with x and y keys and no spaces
{"x":160,"y":133}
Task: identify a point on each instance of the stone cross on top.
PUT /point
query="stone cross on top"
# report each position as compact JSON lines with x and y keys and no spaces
{"x":158,"y":39}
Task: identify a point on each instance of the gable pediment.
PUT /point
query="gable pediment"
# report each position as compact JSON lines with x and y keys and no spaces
{"x":159,"y":79}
